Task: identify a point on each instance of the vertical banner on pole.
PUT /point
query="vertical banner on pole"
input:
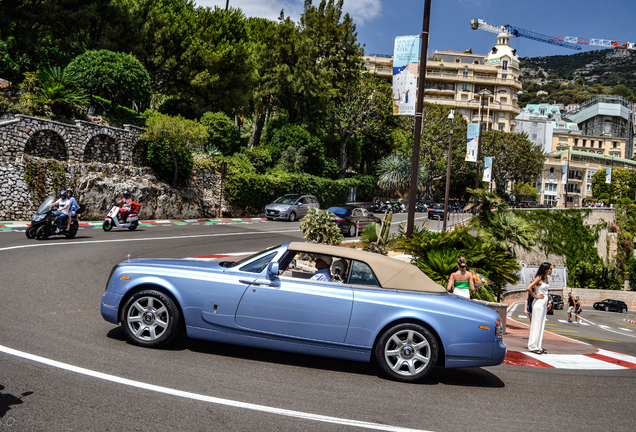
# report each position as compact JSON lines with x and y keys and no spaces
{"x":608,"y":175}
{"x":564,"y":177}
{"x":487,"y":169}
{"x":406,"y":56}
{"x":472,"y":136}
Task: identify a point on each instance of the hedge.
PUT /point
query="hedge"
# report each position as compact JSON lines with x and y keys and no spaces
{"x":255,"y":191}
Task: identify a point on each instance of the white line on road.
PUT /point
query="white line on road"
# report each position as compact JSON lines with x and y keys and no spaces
{"x":624,"y":329}
{"x":203,"y":398}
{"x":67,"y":243}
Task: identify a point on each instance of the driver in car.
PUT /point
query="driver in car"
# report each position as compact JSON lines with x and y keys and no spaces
{"x":323,"y":263}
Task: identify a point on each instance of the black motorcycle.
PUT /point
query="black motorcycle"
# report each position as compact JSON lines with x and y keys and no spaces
{"x":44,"y":222}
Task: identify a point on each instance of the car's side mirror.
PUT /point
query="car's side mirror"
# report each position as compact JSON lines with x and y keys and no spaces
{"x":272,"y":270}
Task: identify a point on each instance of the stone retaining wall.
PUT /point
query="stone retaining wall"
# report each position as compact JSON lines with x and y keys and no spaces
{"x":587,"y":296}
{"x":97,"y":184}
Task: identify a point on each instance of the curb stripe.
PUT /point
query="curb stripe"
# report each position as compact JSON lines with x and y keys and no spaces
{"x":515,"y":358}
{"x":611,"y":360}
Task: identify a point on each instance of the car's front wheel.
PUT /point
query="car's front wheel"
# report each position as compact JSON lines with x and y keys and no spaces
{"x":624,"y":310}
{"x":352,"y":230}
{"x":150,"y":318}
{"x":606,"y":308}
{"x":407,"y":352}
{"x":292,"y":216}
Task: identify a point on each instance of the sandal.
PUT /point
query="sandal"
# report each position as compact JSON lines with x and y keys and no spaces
{"x":536,"y":352}
{"x":544,"y":351}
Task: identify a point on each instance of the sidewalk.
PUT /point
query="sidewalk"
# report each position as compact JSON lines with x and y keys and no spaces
{"x":563,"y":352}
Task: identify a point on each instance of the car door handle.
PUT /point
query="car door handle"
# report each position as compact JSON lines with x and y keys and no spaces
{"x":266,"y":282}
{"x":246,"y":281}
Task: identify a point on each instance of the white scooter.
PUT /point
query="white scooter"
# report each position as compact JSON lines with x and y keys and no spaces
{"x":113,"y":218}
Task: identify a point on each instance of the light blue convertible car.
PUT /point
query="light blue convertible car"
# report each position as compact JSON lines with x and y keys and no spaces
{"x":350,"y":304}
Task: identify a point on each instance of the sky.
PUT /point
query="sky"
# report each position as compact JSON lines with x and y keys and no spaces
{"x":378,"y":22}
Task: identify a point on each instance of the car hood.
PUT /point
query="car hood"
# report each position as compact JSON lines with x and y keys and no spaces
{"x":182,"y":264}
{"x":278,"y":206}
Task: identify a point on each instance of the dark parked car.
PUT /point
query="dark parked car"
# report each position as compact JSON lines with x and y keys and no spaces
{"x":523,"y":205}
{"x":436,"y":211}
{"x":290,"y":207}
{"x":349,"y":217}
{"x":556,"y":301}
{"x":611,"y":305}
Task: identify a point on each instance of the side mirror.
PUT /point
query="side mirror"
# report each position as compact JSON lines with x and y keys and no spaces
{"x":272,"y":270}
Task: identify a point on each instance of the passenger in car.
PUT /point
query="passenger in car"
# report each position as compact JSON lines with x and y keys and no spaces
{"x":323,"y":263}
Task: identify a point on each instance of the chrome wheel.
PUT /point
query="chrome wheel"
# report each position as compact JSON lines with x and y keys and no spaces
{"x":147,"y":319}
{"x":150,"y":318}
{"x":292,"y":217}
{"x":352,"y":230}
{"x":407,"y":352}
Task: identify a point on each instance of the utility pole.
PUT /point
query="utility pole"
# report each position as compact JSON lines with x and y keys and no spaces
{"x":227,"y":4}
{"x":418,"y":120}
{"x":451,"y":116}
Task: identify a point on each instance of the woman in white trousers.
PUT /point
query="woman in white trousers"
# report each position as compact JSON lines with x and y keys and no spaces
{"x":538,"y":289}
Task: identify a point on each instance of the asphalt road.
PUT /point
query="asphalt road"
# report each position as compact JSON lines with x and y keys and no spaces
{"x":49,"y":307}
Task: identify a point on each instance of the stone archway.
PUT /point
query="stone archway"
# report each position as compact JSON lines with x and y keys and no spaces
{"x":101,"y":148}
{"x":139,"y":153}
{"x":46,"y":144}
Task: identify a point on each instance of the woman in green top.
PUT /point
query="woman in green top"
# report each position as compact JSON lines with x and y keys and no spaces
{"x":461,"y":280}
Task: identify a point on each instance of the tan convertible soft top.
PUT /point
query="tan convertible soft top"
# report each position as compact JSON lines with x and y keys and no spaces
{"x":391,"y":273}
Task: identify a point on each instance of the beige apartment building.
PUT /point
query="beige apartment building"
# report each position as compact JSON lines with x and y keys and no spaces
{"x":608,"y":146}
{"x":469,"y":82}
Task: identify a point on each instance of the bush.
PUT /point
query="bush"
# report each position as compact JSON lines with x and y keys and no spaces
{"x":221,"y":132}
{"x":118,"y":114}
{"x":159,"y":158}
{"x":318,"y":226}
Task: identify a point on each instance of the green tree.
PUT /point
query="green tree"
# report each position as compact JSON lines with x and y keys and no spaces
{"x":498,"y":226}
{"x":59,"y":90}
{"x":177,"y":137}
{"x":394,"y":174}
{"x":359,"y":107}
{"x":516,"y":159}
{"x":118,"y":77}
{"x":621,"y":90}
{"x":221,"y":132}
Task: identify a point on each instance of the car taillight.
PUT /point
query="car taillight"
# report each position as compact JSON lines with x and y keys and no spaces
{"x":339,"y":219}
{"x":498,"y":328}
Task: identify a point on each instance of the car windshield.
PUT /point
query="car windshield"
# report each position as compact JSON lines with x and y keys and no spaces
{"x":287,"y":199}
{"x":244,"y":260}
{"x":46,"y":205}
{"x":339,"y":211}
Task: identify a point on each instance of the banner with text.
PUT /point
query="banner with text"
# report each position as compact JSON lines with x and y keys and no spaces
{"x":406,"y":56}
{"x":472,"y":135}
{"x":487,"y":169}
{"x":608,"y":175}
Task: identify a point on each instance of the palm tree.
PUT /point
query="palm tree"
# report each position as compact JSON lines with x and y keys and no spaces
{"x":60,"y":90}
{"x":498,"y":226}
{"x":394,"y":174}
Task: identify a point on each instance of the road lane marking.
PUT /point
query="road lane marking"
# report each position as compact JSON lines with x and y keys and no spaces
{"x":67,"y":243}
{"x":204,"y":398}
{"x":624,"y":329}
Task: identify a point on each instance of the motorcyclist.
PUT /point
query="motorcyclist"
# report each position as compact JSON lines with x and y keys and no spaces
{"x":62,"y":209}
{"x":124,"y":206}
{"x":72,"y":205}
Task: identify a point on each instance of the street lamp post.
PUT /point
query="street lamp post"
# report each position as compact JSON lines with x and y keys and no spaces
{"x":611,"y":183}
{"x":451,"y":116}
{"x":418,"y":121}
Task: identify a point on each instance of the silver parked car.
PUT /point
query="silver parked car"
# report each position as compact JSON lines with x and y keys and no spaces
{"x":291,"y":207}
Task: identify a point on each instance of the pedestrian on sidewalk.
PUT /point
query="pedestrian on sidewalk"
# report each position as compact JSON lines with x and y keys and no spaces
{"x":577,"y":309}
{"x":570,"y":307}
{"x":461,"y":282}
{"x":538,"y":289}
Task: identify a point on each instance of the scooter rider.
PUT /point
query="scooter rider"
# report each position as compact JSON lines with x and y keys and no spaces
{"x":124,"y":205}
{"x":62,"y":209}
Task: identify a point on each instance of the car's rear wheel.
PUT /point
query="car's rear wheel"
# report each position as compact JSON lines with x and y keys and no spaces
{"x":150,"y":318}
{"x":30,"y":232}
{"x":407,"y":352}
{"x":352,"y":230}
{"x":292,"y":216}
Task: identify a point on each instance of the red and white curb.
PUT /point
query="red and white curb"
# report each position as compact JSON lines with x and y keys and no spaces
{"x":7,"y":226}
{"x":601,"y":360}
{"x":630,"y":320}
